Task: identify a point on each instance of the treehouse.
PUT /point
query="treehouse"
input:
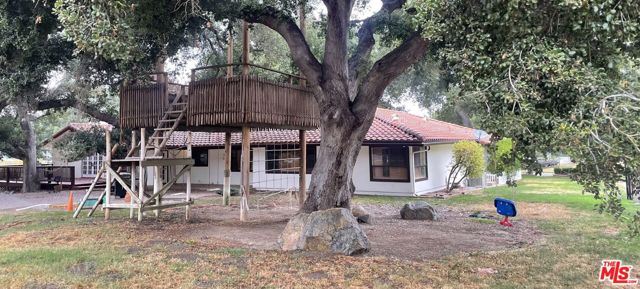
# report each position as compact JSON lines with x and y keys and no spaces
{"x":262,"y":99}
{"x":235,"y":97}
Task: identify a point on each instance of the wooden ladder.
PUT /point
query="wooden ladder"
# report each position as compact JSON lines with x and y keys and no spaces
{"x":157,"y":142}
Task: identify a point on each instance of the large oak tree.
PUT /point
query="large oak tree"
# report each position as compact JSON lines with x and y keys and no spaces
{"x":347,"y":83}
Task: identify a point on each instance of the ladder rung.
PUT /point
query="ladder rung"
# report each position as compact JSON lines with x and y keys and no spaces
{"x":163,"y":128}
{"x":180,"y":103}
{"x":168,"y":120}
{"x":174,"y":111}
{"x":157,"y":137}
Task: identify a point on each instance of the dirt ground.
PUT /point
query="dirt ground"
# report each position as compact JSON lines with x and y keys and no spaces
{"x":455,"y":232}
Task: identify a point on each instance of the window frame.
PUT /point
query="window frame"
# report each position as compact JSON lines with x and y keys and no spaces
{"x":195,"y":155}
{"x":407,"y":164}
{"x":426,"y":163}
{"x":237,"y":165}
{"x":274,"y":171}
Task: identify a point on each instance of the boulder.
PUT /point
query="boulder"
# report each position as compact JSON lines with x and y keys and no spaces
{"x":334,"y":230}
{"x":361,"y":214}
{"x":418,"y":211}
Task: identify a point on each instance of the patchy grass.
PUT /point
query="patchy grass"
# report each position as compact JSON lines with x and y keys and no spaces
{"x":51,"y":249}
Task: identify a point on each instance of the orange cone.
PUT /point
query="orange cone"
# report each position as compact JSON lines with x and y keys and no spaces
{"x":70,"y":202}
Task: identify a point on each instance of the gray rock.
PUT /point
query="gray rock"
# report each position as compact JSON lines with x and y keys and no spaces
{"x":334,"y":230}
{"x":361,"y":214}
{"x":418,"y":211}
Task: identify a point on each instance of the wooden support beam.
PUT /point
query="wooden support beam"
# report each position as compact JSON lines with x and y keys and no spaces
{"x":134,"y":142}
{"x":107,"y":189}
{"x":157,"y":179}
{"x":301,"y":24}
{"x":188,"y":176}
{"x":86,"y":196}
{"x":116,"y":176}
{"x":226,"y":184}
{"x":245,"y":48}
{"x":167,"y":186}
{"x":229,"y":52}
{"x":168,"y":205}
{"x":302,"y":184}
{"x":167,"y":162}
{"x":142,"y":175}
{"x":244,"y":169}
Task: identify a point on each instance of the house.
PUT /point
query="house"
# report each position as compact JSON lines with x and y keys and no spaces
{"x":85,"y":168}
{"x":402,"y":154}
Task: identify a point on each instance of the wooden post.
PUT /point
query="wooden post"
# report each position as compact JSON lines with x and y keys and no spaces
{"x":141,"y":177}
{"x":244,"y":169}
{"x":229,"y":53}
{"x":134,"y":142}
{"x":301,"y":24}
{"x":188,"y":176}
{"x":245,"y":48}
{"x":107,"y":189}
{"x":157,"y":175}
{"x":302,"y":184}
{"x":226,"y":184}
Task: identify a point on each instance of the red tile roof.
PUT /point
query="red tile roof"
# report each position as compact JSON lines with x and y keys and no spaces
{"x":427,"y":129}
{"x":388,"y":126}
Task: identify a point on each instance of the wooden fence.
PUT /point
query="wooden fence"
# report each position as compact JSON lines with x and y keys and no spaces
{"x":12,"y":176}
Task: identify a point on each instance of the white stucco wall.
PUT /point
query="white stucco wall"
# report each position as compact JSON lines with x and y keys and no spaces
{"x":438,"y":165}
{"x":364,"y":185}
{"x":438,"y":159}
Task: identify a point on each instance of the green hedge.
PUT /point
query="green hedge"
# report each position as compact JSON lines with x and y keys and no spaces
{"x":563,"y":171}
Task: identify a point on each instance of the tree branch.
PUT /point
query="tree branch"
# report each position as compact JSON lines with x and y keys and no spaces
{"x":335,"y":47}
{"x":72,"y":102}
{"x":289,"y":30}
{"x":386,"y":70}
{"x":366,"y":41}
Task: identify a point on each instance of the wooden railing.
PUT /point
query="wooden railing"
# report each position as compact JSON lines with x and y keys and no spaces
{"x":264,"y":98}
{"x":13,"y":175}
{"x":142,"y":103}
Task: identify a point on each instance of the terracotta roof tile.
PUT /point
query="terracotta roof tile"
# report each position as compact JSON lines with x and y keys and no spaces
{"x":427,"y":129}
{"x":387,"y":126}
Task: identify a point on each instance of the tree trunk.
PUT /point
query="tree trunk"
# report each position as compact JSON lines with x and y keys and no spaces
{"x":342,"y":135}
{"x":30,"y":174}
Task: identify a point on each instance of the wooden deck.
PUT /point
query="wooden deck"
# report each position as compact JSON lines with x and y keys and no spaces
{"x":265,"y":99}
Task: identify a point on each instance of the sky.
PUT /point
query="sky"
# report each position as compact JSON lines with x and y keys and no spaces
{"x":410,"y":104}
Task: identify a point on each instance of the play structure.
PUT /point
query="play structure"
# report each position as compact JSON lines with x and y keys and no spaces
{"x":506,"y":208}
{"x":234,"y":97}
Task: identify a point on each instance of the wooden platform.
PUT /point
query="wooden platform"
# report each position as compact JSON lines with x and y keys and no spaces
{"x":264,"y":99}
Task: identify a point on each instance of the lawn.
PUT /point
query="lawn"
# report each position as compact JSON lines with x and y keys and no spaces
{"x":51,"y":249}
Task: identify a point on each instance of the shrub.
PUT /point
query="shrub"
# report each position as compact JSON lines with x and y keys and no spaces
{"x":563,"y":171}
{"x":468,"y":161}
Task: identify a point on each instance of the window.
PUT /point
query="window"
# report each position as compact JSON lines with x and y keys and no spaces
{"x":236,"y":159}
{"x":200,"y":157}
{"x":420,"y":163}
{"x":389,"y":164}
{"x":312,"y":154}
{"x":286,"y":160}
{"x":91,"y":165}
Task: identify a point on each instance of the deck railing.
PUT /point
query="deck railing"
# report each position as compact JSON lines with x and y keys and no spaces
{"x":220,"y":95}
{"x":13,"y":175}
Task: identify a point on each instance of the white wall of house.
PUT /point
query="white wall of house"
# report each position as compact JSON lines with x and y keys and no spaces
{"x":438,"y":165}
{"x":438,"y":160}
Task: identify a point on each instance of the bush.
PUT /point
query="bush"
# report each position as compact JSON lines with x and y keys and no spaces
{"x":468,"y":161}
{"x":563,"y":171}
